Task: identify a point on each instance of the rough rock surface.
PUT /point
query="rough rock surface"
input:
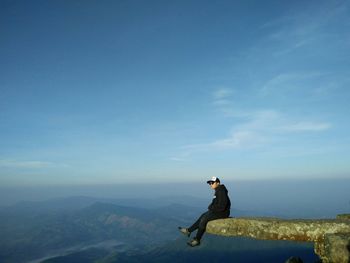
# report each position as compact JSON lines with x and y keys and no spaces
{"x":337,"y":247}
{"x":330,"y":236}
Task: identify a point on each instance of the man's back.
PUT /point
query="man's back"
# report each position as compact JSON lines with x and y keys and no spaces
{"x":221,"y":202}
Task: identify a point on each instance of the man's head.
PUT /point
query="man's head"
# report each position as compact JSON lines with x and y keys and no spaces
{"x":214,"y":182}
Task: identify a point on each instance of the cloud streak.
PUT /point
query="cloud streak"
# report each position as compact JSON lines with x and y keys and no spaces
{"x":259,"y":129}
{"x":296,"y":31}
{"x":222,"y":97}
{"x":288,"y":81}
{"x":8,"y":163}
{"x":307,"y":127}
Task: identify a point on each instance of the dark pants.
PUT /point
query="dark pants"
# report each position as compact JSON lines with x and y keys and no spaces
{"x":202,"y":221}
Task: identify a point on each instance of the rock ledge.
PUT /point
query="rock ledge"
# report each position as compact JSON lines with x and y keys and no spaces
{"x":331,"y":237}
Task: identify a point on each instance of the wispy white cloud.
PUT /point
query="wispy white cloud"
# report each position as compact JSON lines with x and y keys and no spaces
{"x":277,"y":22}
{"x":297,"y":30}
{"x":222,"y":93}
{"x":308,"y":86}
{"x":293,"y":46}
{"x":306,"y":126}
{"x":236,"y":140}
{"x":289,"y":81}
{"x":9,"y":163}
{"x":258,"y":129}
{"x":222,"y":97}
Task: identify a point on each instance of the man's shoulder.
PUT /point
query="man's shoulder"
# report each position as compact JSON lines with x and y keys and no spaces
{"x":222,"y":187}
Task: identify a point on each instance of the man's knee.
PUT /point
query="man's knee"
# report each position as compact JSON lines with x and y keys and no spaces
{"x":205,"y":214}
{"x":203,"y":222}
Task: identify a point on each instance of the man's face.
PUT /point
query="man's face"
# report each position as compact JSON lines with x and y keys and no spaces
{"x":214,"y":185}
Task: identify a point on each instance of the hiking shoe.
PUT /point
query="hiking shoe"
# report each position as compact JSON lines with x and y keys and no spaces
{"x":193,"y":243}
{"x":184,"y":231}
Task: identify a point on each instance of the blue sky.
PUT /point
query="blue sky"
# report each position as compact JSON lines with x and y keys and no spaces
{"x":95,"y":92}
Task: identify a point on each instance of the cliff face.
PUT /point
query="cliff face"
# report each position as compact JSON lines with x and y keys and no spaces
{"x":331,"y":236}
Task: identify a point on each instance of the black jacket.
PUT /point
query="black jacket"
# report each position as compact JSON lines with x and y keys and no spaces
{"x":221,"y":202}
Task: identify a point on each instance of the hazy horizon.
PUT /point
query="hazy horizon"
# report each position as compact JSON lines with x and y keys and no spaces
{"x":308,"y":198}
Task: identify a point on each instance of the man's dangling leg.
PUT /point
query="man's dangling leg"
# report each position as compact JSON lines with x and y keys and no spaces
{"x":197,"y":223}
{"x":202,"y":224}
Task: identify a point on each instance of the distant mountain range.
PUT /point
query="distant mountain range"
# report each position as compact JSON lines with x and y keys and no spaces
{"x":83,"y":229}
{"x":31,"y":230}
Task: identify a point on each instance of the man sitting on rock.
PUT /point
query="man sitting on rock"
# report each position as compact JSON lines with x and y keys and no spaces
{"x":219,"y":208}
